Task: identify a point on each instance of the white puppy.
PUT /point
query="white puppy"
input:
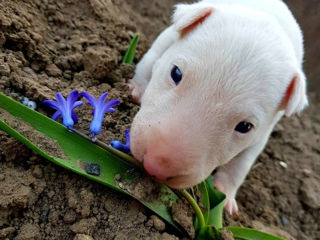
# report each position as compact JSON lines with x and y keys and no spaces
{"x":212,"y":87}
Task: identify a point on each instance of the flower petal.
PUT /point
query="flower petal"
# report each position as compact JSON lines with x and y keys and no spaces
{"x":74,"y":117}
{"x":91,"y":100}
{"x":110,"y":110}
{"x":56,"y":115}
{"x":103,"y":97}
{"x":60,"y":100}
{"x":72,"y":97}
{"x":51,"y":103}
{"x":107,"y":106}
{"x":127,"y":137}
{"x":120,"y":146}
{"x":77,"y":104}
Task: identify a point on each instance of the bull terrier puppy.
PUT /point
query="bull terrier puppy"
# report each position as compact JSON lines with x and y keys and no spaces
{"x":212,"y":86}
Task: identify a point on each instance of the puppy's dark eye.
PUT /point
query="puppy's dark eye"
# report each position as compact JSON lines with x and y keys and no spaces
{"x":176,"y":75}
{"x":243,"y":127}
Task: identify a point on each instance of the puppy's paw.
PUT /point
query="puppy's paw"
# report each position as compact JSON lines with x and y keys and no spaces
{"x":223,"y":184}
{"x":136,"y":91}
{"x":231,"y":206}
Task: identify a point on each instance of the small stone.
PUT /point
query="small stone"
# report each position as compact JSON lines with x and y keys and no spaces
{"x":284,"y":220}
{"x":70,"y":217}
{"x":93,"y":169}
{"x":82,"y":237}
{"x":43,"y":216}
{"x":117,"y":177}
{"x":310,"y":192}
{"x":109,"y":205}
{"x":32,"y":105}
{"x":283,"y":164}
{"x":37,"y":172}
{"x":306,"y":172}
{"x":51,"y":194}
{"x":158,"y":223}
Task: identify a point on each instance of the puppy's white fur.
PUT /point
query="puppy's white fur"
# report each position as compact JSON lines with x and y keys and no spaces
{"x":241,"y":61}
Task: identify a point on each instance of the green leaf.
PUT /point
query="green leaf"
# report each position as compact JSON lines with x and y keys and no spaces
{"x":213,"y":199}
{"x":208,"y":232}
{"x":251,"y":234}
{"x":129,"y":55}
{"x":206,"y":203}
{"x":80,"y":152}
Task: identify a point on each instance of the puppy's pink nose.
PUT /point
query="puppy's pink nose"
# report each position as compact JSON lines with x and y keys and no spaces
{"x":155,"y":171}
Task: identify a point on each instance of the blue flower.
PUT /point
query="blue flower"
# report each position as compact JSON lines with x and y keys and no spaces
{"x":100,"y":108}
{"x":122,"y":147}
{"x":65,"y":108}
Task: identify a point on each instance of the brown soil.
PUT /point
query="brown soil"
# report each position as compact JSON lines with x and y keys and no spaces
{"x":48,"y":47}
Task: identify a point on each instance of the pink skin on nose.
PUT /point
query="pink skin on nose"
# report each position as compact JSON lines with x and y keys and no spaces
{"x":155,"y":171}
{"x":164,"y":154}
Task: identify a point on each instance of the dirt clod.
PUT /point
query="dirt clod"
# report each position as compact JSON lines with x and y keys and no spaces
{"x":82,"y":237}
{"x":85,"y":226}
{"x":7,"y":232}
{"x":310,"y":192}
{"x":226,"y":235}
{"x":158,"y":223}
{"x":37,"y":172}
{"x":29,"y":232}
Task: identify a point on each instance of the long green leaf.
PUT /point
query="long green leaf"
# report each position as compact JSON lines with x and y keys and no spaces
{"x":80,"y":152}
{"x":129,"y":55}
{"x":217,"y":200}
{"x":208,"y":232}
{"x":251,"y":234}
{"x":206,"y":203}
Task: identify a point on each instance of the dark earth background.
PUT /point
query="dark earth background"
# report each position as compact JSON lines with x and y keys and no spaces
{"x":48,"y":47}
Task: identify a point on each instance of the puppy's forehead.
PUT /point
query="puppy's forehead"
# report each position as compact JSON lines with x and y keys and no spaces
{"x":233,"y":66}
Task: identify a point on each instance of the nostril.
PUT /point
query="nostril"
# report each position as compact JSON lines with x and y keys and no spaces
{"x":169,"y":178}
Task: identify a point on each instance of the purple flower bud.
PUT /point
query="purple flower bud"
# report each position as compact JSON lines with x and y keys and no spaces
{"x":65,"y":108}
{"x":100,"y":108}
{"x":122,"y":147}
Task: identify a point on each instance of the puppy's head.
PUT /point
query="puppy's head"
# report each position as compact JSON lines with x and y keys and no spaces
{"x":215,"y":92}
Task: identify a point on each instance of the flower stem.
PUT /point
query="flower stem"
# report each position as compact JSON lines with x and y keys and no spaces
{"x":195,"y":207}
{"x":108,"y":148}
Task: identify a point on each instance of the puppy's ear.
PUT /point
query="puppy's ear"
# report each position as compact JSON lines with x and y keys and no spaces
{"x":295,"y":98}
{"x":186,"y":17}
